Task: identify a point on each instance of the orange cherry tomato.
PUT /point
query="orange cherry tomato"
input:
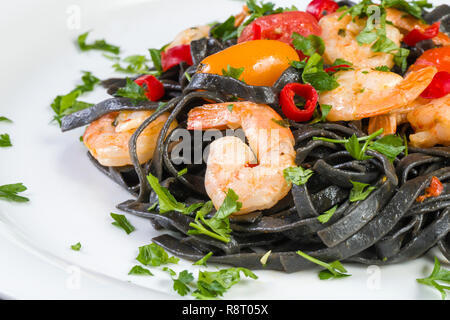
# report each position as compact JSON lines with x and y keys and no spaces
{"x":438,"y":57}
{"x":263,"y":61}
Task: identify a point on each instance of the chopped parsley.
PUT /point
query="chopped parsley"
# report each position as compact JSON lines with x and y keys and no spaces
{"x":218,"y":226}
{"x":101,"y":45}
{"x":182,"y":172}
{"x":167,"y":201}
{"x":64,"y":105}
{"x":154,"y":255}
{"x":76,"y":247}
{"x":10,"y":191}
{"x":321,"y":116}
{"x":326,"y":216}
{"x":382,"y":68}
{"x":226,"y":30}
{"x":360,"y":191}
{"x":211,"y":285}
{"x":132,"y":91}
{"x":122,"y":222}
{"x":180,"y":285}
{"x":233,"y":72}
{"x":155,"y":54}
{"x":297,"y":175}
{"x":5,"y":119}
{"x":438,"y":274}
{"x":202,"y":261}
{"x":333,"y":270}
{"x":136,"y":64}
{"x":140,"y":271}
{"x":314,"y":74}
{"x":391,"y":146}
{"x":308,"y":45}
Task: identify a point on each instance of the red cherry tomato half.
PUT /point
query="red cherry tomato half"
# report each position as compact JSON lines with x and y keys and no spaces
{"x":176,"y":55}
{"x":154,"y":89}
{"x":320,"y":8}
{"x":280,"y":27}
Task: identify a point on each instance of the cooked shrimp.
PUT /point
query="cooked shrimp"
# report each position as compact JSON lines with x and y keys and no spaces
{"x":240,"y":17}
{"x":431,"y":123}
{"x":340,"y":42}
{"x":188,"y":35}
{"x":406,"y":22}
{"x":107,"y":137}
{"x":254,"y":172}
{"x":364,"y":92}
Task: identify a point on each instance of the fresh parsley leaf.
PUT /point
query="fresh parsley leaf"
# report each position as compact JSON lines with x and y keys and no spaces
{"x":230,"y":107}
{"x":297,"y":175}
{"x":167,"y":201}
{"x":233,"y":72}
{"x":140,"y":271}
{"x":64,"y":105}
{"x":180,"y":285}
{"x":10,"y":191}
{"x":355,"y":149}
{"x":122,"y":222}
{"x":390,"y":146}
{"x":5,"y":119}
{"x":202,"y":261}
{"x":217,"y":227}
{"x":383,"y":68}
{"x":136,"y":64}
{"x":308,"y":45}
{"x":154,"y":255}
{"x":360,"y":191}
{"x":265,"y":257}
{"x":101,"y":45}
{"x":155,"y":54}
{"x":326,"y":216}
{"x":132,"y":91}
{"x":169,"y":271}
{"x":438,"y":274}
{"x":225,"y":31}
{"x":5,"y":140}
{"x":333,"y":270}
{"x":321,"y":116}
{"x":76,"y":247}
{"x":211,"y":285}
{"x":298,"y":64}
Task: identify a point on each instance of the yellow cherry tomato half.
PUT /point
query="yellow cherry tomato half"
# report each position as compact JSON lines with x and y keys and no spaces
{"x":263,"y":61}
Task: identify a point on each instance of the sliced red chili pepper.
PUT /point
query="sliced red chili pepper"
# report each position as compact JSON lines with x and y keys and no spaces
{"x":176,"y":55}
{"x":434,"y":190}
{"x":287,"y":102}
{"x":416,"y":35}
{"x":154,"y":89}
{"x":336,"y":68}
{"x":256,"y":31}
{"x":320,"y":8}
{"x":439,"y":86}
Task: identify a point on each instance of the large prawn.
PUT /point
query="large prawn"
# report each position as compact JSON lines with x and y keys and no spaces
{"x":254,"y":171}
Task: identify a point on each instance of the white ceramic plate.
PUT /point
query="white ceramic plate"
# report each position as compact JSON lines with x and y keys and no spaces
{"x":71,"y":200}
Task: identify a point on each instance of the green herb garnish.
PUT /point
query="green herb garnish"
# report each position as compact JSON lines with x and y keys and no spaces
{"x":136,"y":64}
{"x":314,"y":74}
{"x":76,"y":247}
{"x":167,"y":201}
{"x":391,"y":146}
{"x":297,"y":175}
{"x":101,"y":45}
{"x":132,"y":91}
{"x":326,"y":216}
{"x":122,"y":222}
{"x":211,"y":285}
{"x":154,"y":255}
{"x":10,"y":191}
{"x":321,"y":116}
{"x":140,"y":271}
{"x":5,"y":140}
{"x":182,"y":172}
{"x":282,"y":123}
{"x":180,"y":285}
{"x":360,"y":191}
{"x":333,"y":270}
{"x":438,"y":274}
{"x":218,"y":226}
{"x":226,"y":30}
{"x":308,"y":45}
{"x":233,"y":72}
{"x":202,"y":261}
{"x":5,"y":119}
{"x":383,"y":68}
{"x":155,"y":54}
